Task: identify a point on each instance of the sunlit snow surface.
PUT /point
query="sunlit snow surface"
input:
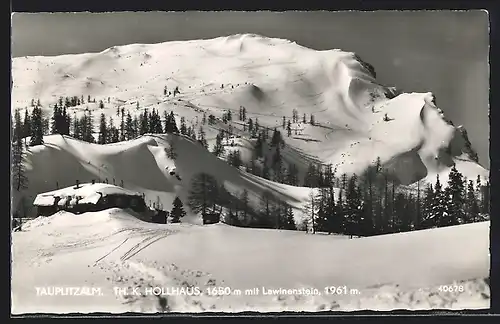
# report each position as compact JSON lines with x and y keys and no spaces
{"x":112,"y":250}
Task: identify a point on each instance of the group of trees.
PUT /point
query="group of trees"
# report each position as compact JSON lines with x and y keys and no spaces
{"x":375,"y":203}
{"x":36,"y":126}
{"x":207,"y":196}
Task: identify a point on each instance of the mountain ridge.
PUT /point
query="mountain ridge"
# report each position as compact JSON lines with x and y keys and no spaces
{"x":269,"y":77}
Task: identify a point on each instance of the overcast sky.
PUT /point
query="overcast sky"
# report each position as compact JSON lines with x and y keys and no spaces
{"x":445,"y":52}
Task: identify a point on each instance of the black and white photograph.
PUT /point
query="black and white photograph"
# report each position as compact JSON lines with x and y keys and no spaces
{"x":230,"y":161}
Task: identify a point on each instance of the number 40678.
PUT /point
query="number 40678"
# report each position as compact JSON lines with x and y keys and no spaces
{"x":451,"y":288}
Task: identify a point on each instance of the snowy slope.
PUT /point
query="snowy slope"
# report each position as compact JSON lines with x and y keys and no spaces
{"x":112,"y":249}
{"x":270,"y":78}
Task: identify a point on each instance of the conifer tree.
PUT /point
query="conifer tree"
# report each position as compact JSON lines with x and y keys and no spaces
{"x":36,"y":127}
{"x":472,"y":203}
{"x":245,"y":205}
{"x":177,"y":211}
{"x":123,"y":135}
{"x":58,"y":121}
{"x":311,"y":209}
{"x":267,"y":201}
{"x":289,"y":218}
{"x":103,"y":130}
{"x":265,"y":169}
{"x":353,"y":207}
{"x":428,"y":220}
{"x":322,"y":224}
{"x":18,"y":173}
{"x":45,"y":126}
{"x":292,"y":175}
{"x":26,"y":124}
{"x":66,"y":121}
{"x":89,"y":128}
{"x":144,"y":122}
{"x":171,"y":124}
{"x":235,"y":158}
{"x":456,"y":199}
{"x":129,"y":127}
{"x":486,"y":199}
{"x":334,"y":223}
{"x":201,"y":137}
{"x":250,"y":126}
{"x":203,"y":193}
{"x":183,"y":128}
{"x":439,"y":211}
{"x":218,"y":148}
{"x":340,"y":211}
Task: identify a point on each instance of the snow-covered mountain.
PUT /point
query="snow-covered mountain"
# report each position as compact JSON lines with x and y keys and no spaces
{"x":270,"y":78}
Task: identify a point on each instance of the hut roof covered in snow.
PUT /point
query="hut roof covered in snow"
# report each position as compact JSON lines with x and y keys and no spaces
{"x":86,"y":193}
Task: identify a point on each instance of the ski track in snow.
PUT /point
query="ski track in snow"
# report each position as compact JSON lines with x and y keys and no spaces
{"x":134,"y":257}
